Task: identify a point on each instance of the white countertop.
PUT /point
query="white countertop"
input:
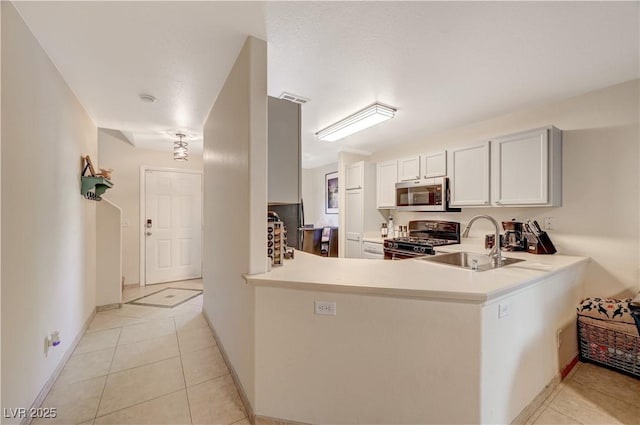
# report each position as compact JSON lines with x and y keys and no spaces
{"x":414,"y":278}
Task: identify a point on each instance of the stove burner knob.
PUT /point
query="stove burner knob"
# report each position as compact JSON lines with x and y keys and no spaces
{"x":395,"y":245}
{"x":416,"y":249}
{"x":423,"y":249}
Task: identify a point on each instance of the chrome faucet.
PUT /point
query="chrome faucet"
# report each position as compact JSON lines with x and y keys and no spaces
{"x":495,"y":251}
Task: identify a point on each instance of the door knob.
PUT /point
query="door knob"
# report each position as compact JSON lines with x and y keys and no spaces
{"x":148,"y":233}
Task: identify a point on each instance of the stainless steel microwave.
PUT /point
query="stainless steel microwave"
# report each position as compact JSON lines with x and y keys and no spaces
{"x":423,"y":195}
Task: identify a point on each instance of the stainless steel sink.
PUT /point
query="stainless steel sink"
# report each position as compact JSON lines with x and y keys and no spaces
{"x":470,"y":261}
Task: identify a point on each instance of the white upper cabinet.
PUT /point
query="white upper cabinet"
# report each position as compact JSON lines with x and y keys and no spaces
{"x":433,"y":165}
{"x":409,"y":168}
{"x":469,"y":175}
{"x":386,"y":178}
{"x":354,"y":175}
{"x":527,"y":168}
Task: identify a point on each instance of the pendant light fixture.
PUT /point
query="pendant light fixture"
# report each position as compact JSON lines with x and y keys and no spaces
{"x":180,"y":150}
{"x":365,"y":118}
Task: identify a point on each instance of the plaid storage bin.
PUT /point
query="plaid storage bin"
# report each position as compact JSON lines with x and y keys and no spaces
{"x":612,"y":344}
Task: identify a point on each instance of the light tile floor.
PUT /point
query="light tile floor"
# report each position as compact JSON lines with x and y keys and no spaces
{"x":153,"y":365}
{"x":591,"y":395}
{"x":147,"y":365}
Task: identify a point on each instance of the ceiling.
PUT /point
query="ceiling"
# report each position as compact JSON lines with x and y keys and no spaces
{"x":441,"y":64}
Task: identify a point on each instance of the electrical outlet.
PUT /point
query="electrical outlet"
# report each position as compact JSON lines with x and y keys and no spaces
{"x":549,"y":223}
{"x":503,"y":310}
{"x":325,"y":308}
{"x":559,"y":337}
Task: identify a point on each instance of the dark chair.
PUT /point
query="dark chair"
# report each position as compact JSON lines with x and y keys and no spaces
{"x":333,"y":242}
{"x":312,"y":241}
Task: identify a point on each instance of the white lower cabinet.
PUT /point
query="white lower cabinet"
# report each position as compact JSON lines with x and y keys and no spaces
{"x":469,"y":175}
{"x":373,"y":250}
{"x":527,"y":168}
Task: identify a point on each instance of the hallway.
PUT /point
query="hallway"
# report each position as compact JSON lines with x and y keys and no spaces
{"x":147,"y":365}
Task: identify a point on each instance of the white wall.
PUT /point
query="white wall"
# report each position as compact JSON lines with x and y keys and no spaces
{"x":108,"y":253}
{"x":115,"y":152}
{"x":519,"y":353}
{"x":380,"y":360}
{"x":601,"y":203}
{"x":313,"y":187}
{"x":49,"y":229}
{"x":235,"y":206}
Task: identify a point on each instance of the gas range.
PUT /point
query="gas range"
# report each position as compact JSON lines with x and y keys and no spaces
{"x":424,"y":235}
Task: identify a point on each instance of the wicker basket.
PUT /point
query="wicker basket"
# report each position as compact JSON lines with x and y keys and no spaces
{"x":604,"y":343}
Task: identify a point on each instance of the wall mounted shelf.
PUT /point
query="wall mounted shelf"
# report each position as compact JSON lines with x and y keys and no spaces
{"x":94,"y":187}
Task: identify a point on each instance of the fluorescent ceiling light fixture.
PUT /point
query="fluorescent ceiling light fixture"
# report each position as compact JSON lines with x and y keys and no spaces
{"x":365,"y":118}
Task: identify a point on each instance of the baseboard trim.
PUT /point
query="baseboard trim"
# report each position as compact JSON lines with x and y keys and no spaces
{"x":567,"y":369}
{"x":537,"y":401}
{"x":243,"y":395}
{"x":267,"y":420}
{"x":108,"y":307}
{"x":42,"y":395}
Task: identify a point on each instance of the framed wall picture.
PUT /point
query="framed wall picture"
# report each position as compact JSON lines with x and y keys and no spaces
{"x":331,"y":193}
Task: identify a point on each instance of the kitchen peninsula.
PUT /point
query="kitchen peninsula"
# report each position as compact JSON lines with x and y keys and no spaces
{"x":411,"y":341}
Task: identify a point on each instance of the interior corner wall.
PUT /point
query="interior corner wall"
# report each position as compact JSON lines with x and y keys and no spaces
{"x":235,"y":206}
{"x":114,"y":151}
{"x":49,"y":229}
{"x":601,"y":204}
{"x":313,"y":195}
{"x":109,"y":251}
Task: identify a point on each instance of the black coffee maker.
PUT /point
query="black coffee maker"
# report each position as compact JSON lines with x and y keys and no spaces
{"x":513,"y":238}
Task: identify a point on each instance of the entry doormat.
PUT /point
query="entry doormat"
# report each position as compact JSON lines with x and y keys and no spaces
{"x":168,"y":297}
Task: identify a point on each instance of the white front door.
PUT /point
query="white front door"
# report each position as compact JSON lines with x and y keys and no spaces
{"x":172,"y":226}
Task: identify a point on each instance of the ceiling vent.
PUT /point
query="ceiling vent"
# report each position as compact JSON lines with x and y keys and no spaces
{"x":294,"y":98}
